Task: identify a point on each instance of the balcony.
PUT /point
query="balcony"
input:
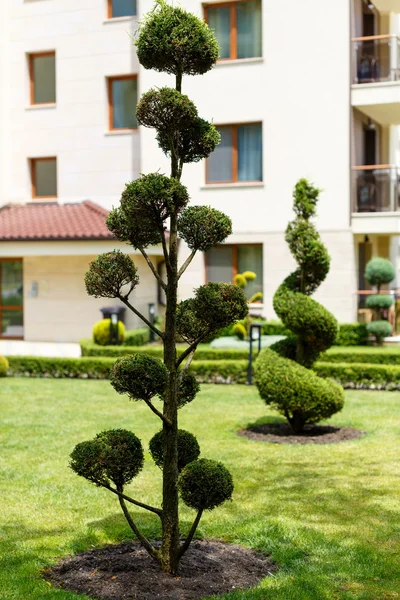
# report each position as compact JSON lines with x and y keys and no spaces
{"x":376,"y":84}
{"x":376,"y":199}
{"x":387,"y":6}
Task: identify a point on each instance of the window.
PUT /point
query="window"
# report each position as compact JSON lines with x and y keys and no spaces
{"x":42,"y":73}
{"x":237,"y":27}
{"x":122,"y":97}
{"x":11,"y":298}
{"x":225,"y":261}
{"x":121,"y":8}
{"x":44,"y":177}
{"x":239,"y":155}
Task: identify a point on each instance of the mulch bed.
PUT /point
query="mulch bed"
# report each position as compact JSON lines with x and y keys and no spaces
{"x":281,"y":433}
{"x":126,"y":572}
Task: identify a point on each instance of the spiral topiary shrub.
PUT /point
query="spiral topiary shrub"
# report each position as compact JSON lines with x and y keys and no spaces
{"x":378,"y":272}
{"x":173,"y":41}
{"x":282,"y":372}
{"x":3,"y":366}
{"x":102,"y":332}
{"x":188,"y":448}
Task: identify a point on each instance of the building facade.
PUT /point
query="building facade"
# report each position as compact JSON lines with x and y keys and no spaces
{"x":307,"y":89}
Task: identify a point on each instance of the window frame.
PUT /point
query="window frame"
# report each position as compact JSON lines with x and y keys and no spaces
{"x":233,"y":36}
{"x":110,"y":10}
{"x":12,"y":306}
{"x":33,"y":162}
{"x":110,"y":80}
{"x":235,"y":255}
{"x":31,"y":58}
{"x":235,"y":156}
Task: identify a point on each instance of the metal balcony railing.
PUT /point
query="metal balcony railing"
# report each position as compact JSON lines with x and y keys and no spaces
{"x":377,"y":58}
{"x":376,"y":188}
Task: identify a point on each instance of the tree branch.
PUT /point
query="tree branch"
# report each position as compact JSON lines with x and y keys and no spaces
{"x":153,"y":269}
{"x":125,"y":300}
{"x":190,"y":349}
{"x":154,"y":553}
{"x":165,"y":250}
{"x":191,"y":533}
{"x":157,"y":412}
{"x":187,"y":365}
{"x":157,"y":511}
{"x":186,"y":263}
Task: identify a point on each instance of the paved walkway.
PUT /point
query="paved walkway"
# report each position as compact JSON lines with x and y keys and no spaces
{"x":50,"y":349}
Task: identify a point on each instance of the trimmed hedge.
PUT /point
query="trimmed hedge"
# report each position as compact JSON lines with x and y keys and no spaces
{"x":361,"y":376}
{"x":351,"y":376}
{"x":136,"y":337}
{"x":372,"y":358}
{"x":88,"y":348}
{"x":350,"y":334}
{"x":206,"y":371}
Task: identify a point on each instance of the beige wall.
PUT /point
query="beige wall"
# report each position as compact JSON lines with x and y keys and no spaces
{"x":62,"y":311}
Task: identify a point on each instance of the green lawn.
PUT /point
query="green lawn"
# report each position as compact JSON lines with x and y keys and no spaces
{"x":329,"y":515}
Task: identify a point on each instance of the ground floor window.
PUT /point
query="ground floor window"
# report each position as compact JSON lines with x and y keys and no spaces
{"x":11,"y":298}
{"x":225,"y":261}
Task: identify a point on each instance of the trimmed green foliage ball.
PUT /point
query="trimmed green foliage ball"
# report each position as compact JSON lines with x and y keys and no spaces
{"x":379,"y":301}
{"x":379,"y":271}
{"x":205,"y":484}
{"x":188,"y":389}
{"x":188,"y":448}
{"x":102,"y":332}
{"x":115,"y":455}
{"x":3,"y":366}
{"x":380,"y":329}
{"x":203,"y":227}
{"x":138,"y":233}
{"x":295,"y":391}
{"x":219,"y":305}
{"x":165,"y":109}
{"x":197,"y":140}
{"x":109,"y":274}
{"x":153,"y":198}
{"x":172,"y":40}
{"x":249,"y":275}
{"x":240,"y":280}
{"x":140,"y":376}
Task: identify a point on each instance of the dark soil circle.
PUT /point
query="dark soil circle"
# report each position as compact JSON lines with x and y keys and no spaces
{"x":126,"y":572}
{"x":281,"y":433}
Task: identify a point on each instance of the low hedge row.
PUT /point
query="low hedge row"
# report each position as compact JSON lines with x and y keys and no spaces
{"x":371,"y":358}
{"x":351,"y":376}
{"x":88,"y":348}
{"x":207,"y":371}
{"x":137,"y":337}
{"x":349,"y":334}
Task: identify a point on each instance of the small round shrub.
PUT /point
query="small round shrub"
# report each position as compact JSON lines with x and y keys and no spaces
{"x":102,"y":332}
{"x":172,"y":40}
{"x":188,"y":448}
{"x":166,"y":110}
{"x":193,"y":143}
{"x":380,"y":329}
{"x":240,"y":280}
{"x":3,"y":366}
{"x":219,"y":304}
{"x":380,"y":301}
{"x":109,"y":273}
{"x":189,"y":326}
{"x":379,"y":271}
{"x":249,"y":275}
{"x":139,"y":376}
{"x":240,"y":331}
{"x":153,"y":198}
{"x":189,"y":387}
{"x":203,"y":227}
{"x":205,"y":484}
{"x":115,"y":455}
{"x":294,"y":391}
{"x":138,"y":233}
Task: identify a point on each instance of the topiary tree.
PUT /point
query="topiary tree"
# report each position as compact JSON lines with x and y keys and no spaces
{"x":294,"y":390}
{"x":378,"y":272}
{"x":173,"y":41}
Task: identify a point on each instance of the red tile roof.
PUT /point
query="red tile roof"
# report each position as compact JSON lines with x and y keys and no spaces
{"x":52,"y":221}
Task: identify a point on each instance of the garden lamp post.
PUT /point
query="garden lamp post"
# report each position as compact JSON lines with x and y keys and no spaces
{"x":255,"y":335}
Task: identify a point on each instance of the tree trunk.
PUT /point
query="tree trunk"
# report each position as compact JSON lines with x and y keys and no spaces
{"x":170,"y":519}
{"x":296,"y":421}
